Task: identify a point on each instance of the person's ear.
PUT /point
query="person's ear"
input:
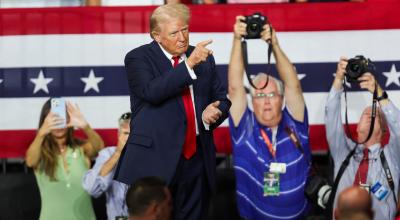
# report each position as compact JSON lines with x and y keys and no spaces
{"x":153,"y":208}
{"x":156,"y":36}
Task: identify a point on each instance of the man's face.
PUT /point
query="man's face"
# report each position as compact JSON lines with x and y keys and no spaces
{"x":123,"y":134}
{"x":173,"y":36}
{"x":267,"y":104}
{"x":165,"y":207}
{"x":365,"y":123}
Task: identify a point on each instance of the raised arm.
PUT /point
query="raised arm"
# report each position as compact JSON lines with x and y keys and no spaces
{"x":32,"y":157}
{"x":391,"y":112}
{"x":236,"y":91}
{"x":333,"y":122}
{"x":287,"y":73}
{"x":94,"y":142}
{"x":94,"y":181}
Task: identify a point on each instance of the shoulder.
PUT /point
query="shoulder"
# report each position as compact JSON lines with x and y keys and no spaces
{"x":138,"y":51}
{"x":107,"y":151}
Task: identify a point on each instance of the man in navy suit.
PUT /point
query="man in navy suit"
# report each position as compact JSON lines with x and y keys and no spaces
{"x":177,"y":99}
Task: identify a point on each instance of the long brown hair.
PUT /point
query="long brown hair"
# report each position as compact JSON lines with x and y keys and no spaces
{"x":49,"y":150}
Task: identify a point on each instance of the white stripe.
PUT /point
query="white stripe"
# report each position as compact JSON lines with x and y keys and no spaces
{"x":110,"y":49}
{"x":357,"y":101}
{"x":294,"y":189}
{"x":267,"y":214}
{"x":239,"y":139}
{"x":251,"y":147}
{"x":253,"y":179}
{"x":103,"y":111}
{"x":248,"y":174}
{"x":295,"y":161}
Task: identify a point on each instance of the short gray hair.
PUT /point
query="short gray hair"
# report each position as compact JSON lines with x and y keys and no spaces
{"x":162,"y":13}
{"x":124,"y":119}
{"x":263,"y":76}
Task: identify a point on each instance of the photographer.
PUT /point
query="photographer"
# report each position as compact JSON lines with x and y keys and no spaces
{"x":270,"y":144}
{"x":366,"y":166}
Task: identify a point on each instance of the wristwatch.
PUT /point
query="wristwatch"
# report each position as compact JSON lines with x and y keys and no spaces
{"x":382,"y":97}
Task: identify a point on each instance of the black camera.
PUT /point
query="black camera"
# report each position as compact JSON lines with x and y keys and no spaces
{"x":318,"y":191}
{"x":255,"y":23}
{"x":357,"y":66}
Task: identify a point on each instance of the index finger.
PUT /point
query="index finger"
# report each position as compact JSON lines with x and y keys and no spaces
{"x":240,"y":18}
{"x":205,"y":43}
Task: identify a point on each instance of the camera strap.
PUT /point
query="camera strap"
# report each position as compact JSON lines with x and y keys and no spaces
{"x":246,"y":63}
{"x":389,"y":176}
{"x":373,"y":115}
{"x":345,"y":163}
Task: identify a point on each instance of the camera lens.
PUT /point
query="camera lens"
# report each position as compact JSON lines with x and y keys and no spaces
{"x":354,"y":67}
{"x":254,"y":27}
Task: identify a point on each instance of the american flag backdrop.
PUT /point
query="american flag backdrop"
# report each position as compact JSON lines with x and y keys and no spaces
{"x":78,"y":53}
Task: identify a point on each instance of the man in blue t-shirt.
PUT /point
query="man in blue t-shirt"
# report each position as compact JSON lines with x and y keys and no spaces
{"x":271,"y":148}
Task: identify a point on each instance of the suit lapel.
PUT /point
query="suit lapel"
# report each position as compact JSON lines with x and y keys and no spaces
{"x":164,"y":65}
{"x":161,"y":61}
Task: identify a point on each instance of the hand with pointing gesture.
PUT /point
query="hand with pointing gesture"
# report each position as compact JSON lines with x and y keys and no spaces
{"x":199,"y":54}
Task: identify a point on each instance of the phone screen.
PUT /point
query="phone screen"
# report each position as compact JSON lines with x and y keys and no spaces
{"x":58,"y":107}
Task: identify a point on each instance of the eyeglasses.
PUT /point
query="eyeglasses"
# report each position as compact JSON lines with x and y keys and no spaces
{"x":126,"y":116}
{"x":262,"y":95}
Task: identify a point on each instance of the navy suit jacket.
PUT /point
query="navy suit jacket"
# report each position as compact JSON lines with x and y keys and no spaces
{"x":158,"y":121}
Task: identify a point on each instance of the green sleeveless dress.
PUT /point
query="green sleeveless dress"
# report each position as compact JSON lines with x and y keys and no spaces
{"x":65,"y":198}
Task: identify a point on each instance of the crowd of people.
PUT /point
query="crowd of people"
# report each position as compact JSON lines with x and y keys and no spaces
{"x":155,"y":172}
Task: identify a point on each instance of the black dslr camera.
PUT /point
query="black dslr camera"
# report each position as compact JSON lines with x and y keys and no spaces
{"x":255,"y":23}
{"x":318,"y":191}
{"x":357,"y":66}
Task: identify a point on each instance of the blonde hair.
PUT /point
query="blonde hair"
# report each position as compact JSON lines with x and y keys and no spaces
{"x":165,"y":12}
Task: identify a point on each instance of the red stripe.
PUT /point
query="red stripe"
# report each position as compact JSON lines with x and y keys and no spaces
{"x":205,"y":18}
{"x":15,"y":143}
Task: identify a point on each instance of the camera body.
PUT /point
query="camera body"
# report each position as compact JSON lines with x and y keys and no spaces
{"x":357,"y":66}
{"x":255,"y":23}
{"x":318,"y":191}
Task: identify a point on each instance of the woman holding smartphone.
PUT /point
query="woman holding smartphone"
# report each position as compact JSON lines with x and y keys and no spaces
{"x":60,"y":161}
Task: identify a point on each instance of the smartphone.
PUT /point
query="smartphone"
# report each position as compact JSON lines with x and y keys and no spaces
{"x":58,"y":107}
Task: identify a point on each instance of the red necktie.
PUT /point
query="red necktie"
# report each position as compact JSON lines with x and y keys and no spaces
{"x":362,"y":171}
{"x":189,"y":147}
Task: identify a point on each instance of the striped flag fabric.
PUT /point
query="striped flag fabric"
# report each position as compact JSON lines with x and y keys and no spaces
{"x":78,"y":53}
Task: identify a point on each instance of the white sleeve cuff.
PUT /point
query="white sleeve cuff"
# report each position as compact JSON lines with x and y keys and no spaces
{"x":191,"y":71}
{"x":206,"y":126}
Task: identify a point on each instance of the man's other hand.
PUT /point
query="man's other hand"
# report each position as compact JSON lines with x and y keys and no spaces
{"x":211,"y":114}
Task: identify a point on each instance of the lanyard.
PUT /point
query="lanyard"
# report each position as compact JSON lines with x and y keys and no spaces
{"x":268,"y":143}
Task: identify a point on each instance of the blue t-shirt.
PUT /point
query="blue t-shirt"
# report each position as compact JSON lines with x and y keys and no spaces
{"x":252,"y":159}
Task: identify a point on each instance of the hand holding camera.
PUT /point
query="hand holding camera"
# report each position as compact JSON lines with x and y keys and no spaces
{"x":357,"y":66}
{"x":254,"y":25}
{"x":239,"y":29}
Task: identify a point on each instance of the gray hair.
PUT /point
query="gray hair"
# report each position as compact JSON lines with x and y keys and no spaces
{"x":124,"y":119}
{"x":164,"y":12}
{"x":263,"y":77}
